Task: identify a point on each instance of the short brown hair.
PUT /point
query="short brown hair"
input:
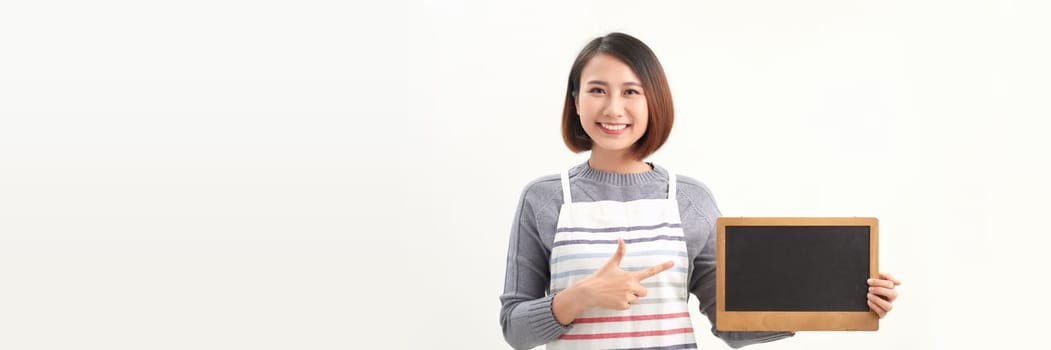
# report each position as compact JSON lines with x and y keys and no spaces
{"x":644,"y":63}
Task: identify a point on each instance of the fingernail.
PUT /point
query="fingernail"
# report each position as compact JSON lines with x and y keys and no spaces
{"x":872,"y":289}
{"x":870,"y":280}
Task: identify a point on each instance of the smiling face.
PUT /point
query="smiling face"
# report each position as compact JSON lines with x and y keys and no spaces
{"x":611,"y":104}
{"x":618,"y":103}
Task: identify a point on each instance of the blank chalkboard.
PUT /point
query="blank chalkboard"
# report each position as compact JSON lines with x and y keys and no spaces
{"x":793,"y":274}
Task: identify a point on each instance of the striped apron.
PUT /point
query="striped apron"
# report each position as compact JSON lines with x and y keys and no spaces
{"x":586,"y":238}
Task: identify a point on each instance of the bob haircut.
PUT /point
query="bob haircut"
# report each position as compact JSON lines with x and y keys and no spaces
{"x":644,"y":63}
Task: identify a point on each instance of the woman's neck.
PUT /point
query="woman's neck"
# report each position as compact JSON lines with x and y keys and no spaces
{"x":622,"y":162}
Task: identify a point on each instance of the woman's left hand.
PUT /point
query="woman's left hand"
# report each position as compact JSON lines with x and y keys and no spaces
{"x":882,"y":294}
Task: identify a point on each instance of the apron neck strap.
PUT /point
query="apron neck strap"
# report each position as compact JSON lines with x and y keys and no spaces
{"x":566,"y":197}
{"x":671,"y":184}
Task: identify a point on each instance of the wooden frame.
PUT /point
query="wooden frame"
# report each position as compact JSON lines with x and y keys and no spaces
{"x":792,"y":320}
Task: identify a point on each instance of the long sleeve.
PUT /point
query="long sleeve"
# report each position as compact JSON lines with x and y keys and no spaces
{"x":526,"y":315}
{"x":702,"y":214}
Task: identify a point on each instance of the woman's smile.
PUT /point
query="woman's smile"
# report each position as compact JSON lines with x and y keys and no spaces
{"x":613,"y":128}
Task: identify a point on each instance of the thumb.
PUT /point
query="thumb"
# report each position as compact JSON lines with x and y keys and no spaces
{"x":890,"y":277}
{"x":614,"y":261}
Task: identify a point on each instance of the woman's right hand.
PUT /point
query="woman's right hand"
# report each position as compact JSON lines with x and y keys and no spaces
{"x":609,"y":287}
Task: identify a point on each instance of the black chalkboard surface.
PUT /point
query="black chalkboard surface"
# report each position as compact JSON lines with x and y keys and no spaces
{"x":793,"y":274}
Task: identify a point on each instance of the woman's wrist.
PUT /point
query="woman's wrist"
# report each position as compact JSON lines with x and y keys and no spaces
{"x":567,"y":305}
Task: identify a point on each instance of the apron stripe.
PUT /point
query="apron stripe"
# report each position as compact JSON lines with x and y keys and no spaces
{"x":657,"y":342}
{"x":625,"y":334}
{"x":608,"y":255}
{"x":590,"y":271}
{"x":613,"y":241}
{"x":660,"y":300}
{"x":663,"y":284}
{"x":672,"y":347}
{"x":623,"y":235}
{"x":617,"y":229}
{"x":632,"y":326}
{"x":631,"y":318}
{"x":645,"y":284}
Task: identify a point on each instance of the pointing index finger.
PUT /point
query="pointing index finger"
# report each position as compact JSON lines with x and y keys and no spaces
{"x":654,"y":270}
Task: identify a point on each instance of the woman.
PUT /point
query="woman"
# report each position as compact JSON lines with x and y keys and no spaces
{"x":602,"y":256}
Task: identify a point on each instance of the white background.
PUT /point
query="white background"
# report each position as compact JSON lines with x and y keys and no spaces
{"x":325,"y":175}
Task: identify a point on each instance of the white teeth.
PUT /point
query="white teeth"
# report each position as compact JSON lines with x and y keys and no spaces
{"x":613,"y":126}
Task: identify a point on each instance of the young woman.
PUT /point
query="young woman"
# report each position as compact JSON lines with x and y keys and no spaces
{"x":602,"y":256}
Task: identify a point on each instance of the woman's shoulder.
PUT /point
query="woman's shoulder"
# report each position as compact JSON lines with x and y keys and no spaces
{"x":690,"y":186}
{"x":693,"y":186}
{"x":695,"y":196}
{"x":549,"y":186}
{"x":543,"y":189}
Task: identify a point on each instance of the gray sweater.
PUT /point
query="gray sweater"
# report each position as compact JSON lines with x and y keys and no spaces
{"x":526,"y":315}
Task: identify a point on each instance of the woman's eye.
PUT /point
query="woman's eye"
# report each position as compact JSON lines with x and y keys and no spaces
{"x":632,"y":92}
{"x":596,"y":91}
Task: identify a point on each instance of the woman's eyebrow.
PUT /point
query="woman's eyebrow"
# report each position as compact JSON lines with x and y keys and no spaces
{"x":603,"y":83}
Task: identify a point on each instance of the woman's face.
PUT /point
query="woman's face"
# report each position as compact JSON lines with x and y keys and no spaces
{"x":611,"y":104}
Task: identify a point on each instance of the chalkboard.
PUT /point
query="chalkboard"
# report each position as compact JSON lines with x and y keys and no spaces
{"x":793,"y":274}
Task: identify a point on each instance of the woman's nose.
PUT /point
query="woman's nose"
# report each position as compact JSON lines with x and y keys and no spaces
{"x":614,"y":107}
